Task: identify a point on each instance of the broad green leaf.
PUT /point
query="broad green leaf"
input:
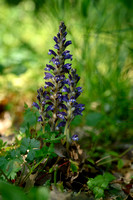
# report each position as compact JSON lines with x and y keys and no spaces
{"x":11,"y":192}
{"x":98,"y":184}
{"x":40,"y":193}
{"x":98,"y":180}
{"x":108,"y":177}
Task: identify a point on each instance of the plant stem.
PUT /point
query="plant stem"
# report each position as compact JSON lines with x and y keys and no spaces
{"x":32,"y":169}
{"x":114,"y":159}
{"x":66,"y":132}
{"x":55,"y":175}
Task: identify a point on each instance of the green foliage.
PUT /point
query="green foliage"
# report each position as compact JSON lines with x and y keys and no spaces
{"x":103,"y":58}
{"x":10,"y":164}
{"x":92,"y":119}
{"x":30,"y":120}
{"x":13,"y":192}
{"x":2,"y":144}
{"x":120,"y":163}
{"x":74,"y":166}
{"x":100,"y":183}
{"x":30,"y":145}
{"x":17,"y":193}
{"x":102,"y":51}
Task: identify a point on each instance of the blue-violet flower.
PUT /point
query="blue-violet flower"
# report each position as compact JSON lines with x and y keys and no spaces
{"x":57,"y":101}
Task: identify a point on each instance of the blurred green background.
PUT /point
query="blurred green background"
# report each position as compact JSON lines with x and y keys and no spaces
{"x":102,"y":46}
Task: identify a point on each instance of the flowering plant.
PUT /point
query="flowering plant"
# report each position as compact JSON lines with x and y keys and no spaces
{"x":57,"y":101}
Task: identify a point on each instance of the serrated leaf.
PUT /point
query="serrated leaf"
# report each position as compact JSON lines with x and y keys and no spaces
{"x":30,"y":118}
{"x":28,"y":144}
{"x":31,"y":155}
{"x":15,"y":153}
{"x":3,"y":163}
{"x":12,"y":168}
{"x":24,"y":145}
{"x":34,"y":143}
{"x":98,"y":192}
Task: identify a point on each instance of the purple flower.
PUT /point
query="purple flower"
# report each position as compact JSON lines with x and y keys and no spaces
{"x":40,"y":119}
{"x":63,"y":106}
{"x":36,"y":105}
{"x":63,"y":40}
{"x":68,"y":56}
{"x":65,"y":53}
{"x":58,"y":98}
{"x":48,"y":75}
{"x":61,"y":115}
{"x":49,"y":67}
{"x":67,"y":66}
{"x":65,"y":89}
{"x":72,"y":99}
{"x":55,"y":61}
{"x":61,"y":124}
{"x":56,"y":46}
{"x":63,"y":98}
{"x":68,"y":43}
{"x":43,"y":103}
{"x":44,"y":93}
{"x":55,"y":39}
{"x":59,"y":77}
{"x":65,"y":34}
{"x":38,"y":97}
{"x":52,"y":52}
{"x":79,"y":89}
{"x":58,"y":35}
{"x":50,"y":107}
{"x":49,"y":84}
{"x":75,"y":137}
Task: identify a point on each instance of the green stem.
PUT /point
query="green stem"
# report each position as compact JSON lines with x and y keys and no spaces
{"x":32,"y":169}
{"x":118,"y":157}
{"x":55,"y":175}
{"x":67,"y":134}
{"x":43,"y":128}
